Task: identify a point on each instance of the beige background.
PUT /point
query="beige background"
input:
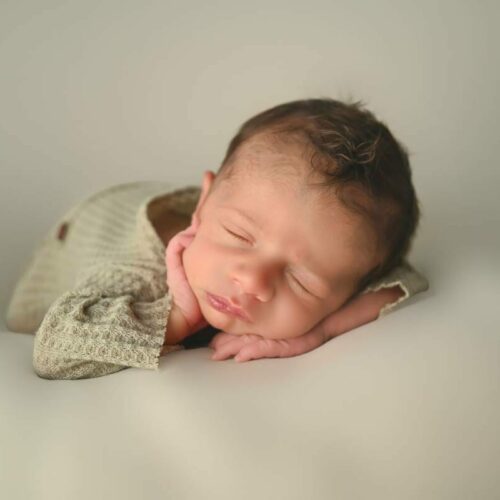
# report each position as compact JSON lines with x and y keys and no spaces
{"x":95,"y":93}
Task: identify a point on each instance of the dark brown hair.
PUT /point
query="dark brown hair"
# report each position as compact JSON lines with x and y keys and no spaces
{"x":359,"y":161}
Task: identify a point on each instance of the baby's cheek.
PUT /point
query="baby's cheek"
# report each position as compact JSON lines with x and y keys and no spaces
{"x":292,"y":319}
{"x":198,"y":261}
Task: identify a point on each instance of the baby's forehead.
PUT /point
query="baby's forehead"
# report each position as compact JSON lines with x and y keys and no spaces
{"x":280,"y":168}
{"x":278,"y":174}
{"x":280,"y":179}
{"x":291,"y":196}
{"x":299,"y":195}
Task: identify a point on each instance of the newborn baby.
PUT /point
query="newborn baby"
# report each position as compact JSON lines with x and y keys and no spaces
{"x":303,"y":214}
{"x":301,"y":235}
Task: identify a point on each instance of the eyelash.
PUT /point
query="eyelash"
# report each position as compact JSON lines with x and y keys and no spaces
{"x":300,"y":284}
{"x":237,"y":235}
{"x":247,"y":241}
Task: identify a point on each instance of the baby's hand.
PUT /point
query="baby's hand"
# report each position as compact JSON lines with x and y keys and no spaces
{"x":251,"y":346}
{"x":177,"y":281}
{"x":358,"y":311}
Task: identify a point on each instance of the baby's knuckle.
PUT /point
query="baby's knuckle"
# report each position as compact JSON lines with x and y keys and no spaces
{"x":268,"y":344}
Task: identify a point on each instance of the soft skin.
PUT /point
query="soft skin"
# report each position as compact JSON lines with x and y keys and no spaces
{"x":262,"y":269}
{"x":301,"y":259}
{"x":290,"y":271}
{"x":355,"y":312}
{"x":359,"y":310}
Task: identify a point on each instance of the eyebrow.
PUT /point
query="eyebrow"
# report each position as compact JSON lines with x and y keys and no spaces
{"x":244,"y":215}
{"x":257,"y":225}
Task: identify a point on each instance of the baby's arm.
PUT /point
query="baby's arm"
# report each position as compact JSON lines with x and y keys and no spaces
{"x":360,"y":310}
{"x":112,"y":319}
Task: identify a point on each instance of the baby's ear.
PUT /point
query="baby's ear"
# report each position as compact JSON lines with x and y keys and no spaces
{"x":208,"y":179}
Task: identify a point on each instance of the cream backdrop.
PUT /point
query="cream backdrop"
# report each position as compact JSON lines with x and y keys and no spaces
{"x":95,"y":93}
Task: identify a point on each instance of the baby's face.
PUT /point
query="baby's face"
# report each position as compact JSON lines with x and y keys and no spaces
{"x":276,"y":249}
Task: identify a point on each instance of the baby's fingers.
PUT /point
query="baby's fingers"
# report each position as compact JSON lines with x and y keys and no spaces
{"x":230,"y":348}
{"x":267,"y":348}
{"x":227,"y":344}
{"x":264,"y":348}
{"x":219,"y":339}
{"x":222,"y":338}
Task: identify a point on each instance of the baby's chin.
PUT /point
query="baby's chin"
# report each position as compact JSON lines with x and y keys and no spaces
{"x":236,"y":326}
{"x":227,"y":323}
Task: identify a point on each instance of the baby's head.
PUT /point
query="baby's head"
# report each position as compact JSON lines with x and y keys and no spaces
{"x":312,"y":203}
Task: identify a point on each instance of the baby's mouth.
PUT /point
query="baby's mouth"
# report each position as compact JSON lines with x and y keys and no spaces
{"x":222,"y":304}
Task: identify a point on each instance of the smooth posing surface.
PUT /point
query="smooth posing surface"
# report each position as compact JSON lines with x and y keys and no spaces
{"x":406,"y":407}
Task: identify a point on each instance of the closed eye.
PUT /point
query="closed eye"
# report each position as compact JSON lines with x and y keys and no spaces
{"x":236,"y":235}
{"x":293,"y":277}
{"x":301,"y":285}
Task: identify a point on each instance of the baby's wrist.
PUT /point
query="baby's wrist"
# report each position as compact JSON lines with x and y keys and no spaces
{"x":177,"y":327}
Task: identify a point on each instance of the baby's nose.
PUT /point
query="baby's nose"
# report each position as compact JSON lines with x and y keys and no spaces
{"x":257,"y":280}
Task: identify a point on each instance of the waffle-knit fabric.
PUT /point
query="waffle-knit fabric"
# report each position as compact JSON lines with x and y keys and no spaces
{"x":94,"y":291}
